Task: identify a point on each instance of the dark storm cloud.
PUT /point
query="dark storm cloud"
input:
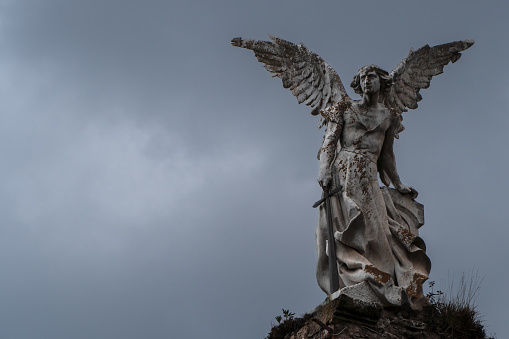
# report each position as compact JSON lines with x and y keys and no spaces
{"x":156,"y":180}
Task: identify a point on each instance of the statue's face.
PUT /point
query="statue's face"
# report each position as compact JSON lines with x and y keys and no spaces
{"x":370,"y":82}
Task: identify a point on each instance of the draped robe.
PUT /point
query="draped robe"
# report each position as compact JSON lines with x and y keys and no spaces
{"x":376,"y":228}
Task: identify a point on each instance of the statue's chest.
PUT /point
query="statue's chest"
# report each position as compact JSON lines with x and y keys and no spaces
{"x":367,"y":120}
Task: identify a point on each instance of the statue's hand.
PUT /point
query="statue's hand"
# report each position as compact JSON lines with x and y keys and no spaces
{"x":407,"y":190}
{"x":325,"y":177}
{"x":237,"y":42}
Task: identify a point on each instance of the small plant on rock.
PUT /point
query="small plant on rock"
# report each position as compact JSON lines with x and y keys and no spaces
{"x":287,"y":325}
{"x":286,"y":314}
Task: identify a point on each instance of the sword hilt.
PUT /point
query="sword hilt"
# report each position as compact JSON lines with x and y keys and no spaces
{"x":327,"y":194}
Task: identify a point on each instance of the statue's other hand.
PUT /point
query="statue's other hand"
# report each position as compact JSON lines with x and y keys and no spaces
{"x":407,"y":190}
{"x":237,"y":42}
{"x":325,"y":177}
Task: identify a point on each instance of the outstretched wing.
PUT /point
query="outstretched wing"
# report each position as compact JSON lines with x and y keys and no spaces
{"x":310,"y":79}
{"x":415,"y":72}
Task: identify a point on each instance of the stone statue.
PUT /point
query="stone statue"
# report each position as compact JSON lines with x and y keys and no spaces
{"x":376,"y":249}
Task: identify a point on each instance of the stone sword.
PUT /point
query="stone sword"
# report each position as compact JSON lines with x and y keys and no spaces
{"x":333,"y":266}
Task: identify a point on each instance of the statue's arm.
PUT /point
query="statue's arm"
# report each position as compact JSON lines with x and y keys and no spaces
{"x":387,"y":165}
{"x":328,"y":151}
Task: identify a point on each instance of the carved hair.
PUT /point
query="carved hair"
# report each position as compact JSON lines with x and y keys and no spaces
{"x":385,"y":79}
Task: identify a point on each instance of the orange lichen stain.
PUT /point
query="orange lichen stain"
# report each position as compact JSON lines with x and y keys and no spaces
{"x":330,"y":113}
{"x":415,"y":287}
{"x":362,"y":168}
{"x":379,"y":276}
{"x":405,"y":235}
{"x":335,"y":111}
{"x":344,"y":105}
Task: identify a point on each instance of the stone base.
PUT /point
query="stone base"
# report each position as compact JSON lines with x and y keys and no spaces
{"x":357,"y":312}
{"x":346,"y":317}
{"x":363,"y":292}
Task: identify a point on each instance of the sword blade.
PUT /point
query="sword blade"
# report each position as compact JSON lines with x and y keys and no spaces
{"x":333,"y":263}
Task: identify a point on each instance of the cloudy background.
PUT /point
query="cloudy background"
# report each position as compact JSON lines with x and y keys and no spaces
{"x":157,"y":183}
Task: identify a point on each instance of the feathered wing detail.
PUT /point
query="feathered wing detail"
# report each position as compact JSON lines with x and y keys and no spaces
{"x":415,"y":72}
{"x":310,"y":79}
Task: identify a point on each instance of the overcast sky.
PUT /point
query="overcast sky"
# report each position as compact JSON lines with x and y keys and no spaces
{"x":157,"y":183}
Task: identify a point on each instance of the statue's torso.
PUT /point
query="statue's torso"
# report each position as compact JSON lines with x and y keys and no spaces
{"x":364,"y":128}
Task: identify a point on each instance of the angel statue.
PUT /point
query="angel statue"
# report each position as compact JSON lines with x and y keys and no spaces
{"x":375,"y":244}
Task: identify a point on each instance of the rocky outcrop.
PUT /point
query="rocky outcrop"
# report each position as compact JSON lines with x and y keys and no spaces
{"x":347,"y":317}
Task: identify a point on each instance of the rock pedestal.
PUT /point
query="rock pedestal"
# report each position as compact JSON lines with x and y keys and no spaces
{"x":348,"y":317}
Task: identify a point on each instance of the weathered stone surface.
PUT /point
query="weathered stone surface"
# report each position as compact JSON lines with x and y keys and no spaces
{"x":348,"y":316}
{"x":361,"y":292}
{"x":345,"y":317}
{"x":355,"y":310}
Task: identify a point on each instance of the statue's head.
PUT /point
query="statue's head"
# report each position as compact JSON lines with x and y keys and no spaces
{"x":383,"y":77}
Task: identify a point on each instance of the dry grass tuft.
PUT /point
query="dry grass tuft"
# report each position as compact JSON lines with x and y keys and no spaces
{"x":454,"y":314}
